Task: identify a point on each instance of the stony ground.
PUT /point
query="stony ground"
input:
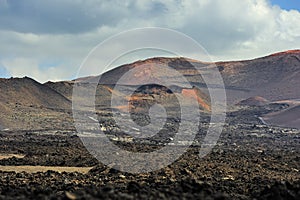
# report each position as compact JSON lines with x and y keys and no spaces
{"x":251,"y":161}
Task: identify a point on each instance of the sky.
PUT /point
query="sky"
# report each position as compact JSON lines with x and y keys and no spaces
{"x":49,"y":39}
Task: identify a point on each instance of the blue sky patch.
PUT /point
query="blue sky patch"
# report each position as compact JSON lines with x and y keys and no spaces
{"x":287,"y":4}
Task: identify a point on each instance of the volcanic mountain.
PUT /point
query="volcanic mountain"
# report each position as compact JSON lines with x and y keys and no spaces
{"x":254,"y":82}
{"x":270,"y":78}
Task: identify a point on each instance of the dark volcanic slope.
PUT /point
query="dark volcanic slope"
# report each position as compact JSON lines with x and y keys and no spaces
{"x":63,"y":87}
{"x":254,"y":101}
{"x":273,"y":77}
{"x":287,"y":118}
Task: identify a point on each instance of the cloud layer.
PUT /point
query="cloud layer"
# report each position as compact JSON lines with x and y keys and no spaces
{"x":35,"y":33}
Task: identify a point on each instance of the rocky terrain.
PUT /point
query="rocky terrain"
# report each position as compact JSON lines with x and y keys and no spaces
{"x":251,"y":160}
{"x":256,"y":157}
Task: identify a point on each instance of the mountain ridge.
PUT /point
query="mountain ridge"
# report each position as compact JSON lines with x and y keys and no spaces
{"x":274,"y":77}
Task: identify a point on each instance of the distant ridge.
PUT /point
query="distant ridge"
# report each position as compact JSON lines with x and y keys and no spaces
{"x":27,"y":91}
{"x":23,"y":102}
{"x":295,"y":51}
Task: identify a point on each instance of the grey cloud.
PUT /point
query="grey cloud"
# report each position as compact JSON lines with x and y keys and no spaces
{"x":53,"y":16}
{"x":71,"y":16}
{"x":66,"y":30}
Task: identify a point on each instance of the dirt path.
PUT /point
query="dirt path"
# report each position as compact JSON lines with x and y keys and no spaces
{"x":34,"y":169}
{"x":5,"y":156}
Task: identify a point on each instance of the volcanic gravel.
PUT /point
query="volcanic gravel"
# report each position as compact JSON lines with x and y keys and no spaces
{"x":250,"y":161}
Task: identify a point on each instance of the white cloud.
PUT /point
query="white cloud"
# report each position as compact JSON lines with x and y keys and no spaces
{"x":67,"y":30}
{"x":20,"y":67}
